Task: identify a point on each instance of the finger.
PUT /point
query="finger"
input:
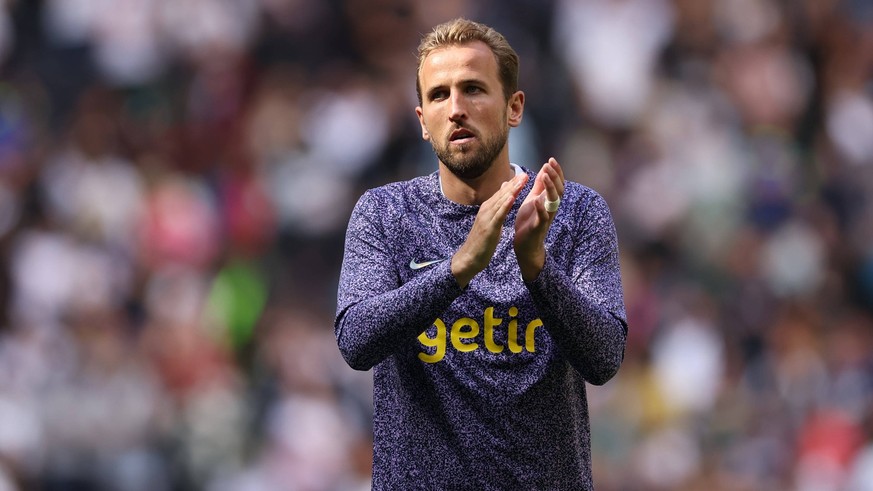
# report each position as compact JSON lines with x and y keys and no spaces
{"x":538,"y":184}
{"x":560,"y":173}
{"x":518,"y":184}
{"x":556,"y":175}
{"x":542,"y":213}
{"x":514,"y":185}
{"x":495,"y":209}
{"x":555,"y":165}
{"x":551,"y":192}
{"x":512,"y":192}
{"x":506,"y":189}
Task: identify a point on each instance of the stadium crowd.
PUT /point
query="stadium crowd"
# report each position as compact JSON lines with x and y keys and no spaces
{"x":177,"y":176}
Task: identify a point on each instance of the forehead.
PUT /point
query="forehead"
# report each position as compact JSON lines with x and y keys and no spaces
{"x":467,"y":61}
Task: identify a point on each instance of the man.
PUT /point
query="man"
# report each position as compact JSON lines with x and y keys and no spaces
{"x":483,"y":295}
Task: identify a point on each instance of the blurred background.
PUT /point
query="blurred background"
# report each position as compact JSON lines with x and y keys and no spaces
{"x":176,"y":177}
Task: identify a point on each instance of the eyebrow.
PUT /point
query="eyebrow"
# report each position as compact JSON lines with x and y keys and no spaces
{"x":466,"y":81}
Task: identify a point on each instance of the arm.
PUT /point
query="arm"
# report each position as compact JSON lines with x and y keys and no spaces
{"x":376,"y":315}
{"x":584,"y":311}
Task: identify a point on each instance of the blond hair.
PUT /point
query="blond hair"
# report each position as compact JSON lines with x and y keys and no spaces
{"x":462,"y":31}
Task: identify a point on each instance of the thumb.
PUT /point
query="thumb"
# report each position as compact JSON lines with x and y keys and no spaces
{"x":538,"y":188}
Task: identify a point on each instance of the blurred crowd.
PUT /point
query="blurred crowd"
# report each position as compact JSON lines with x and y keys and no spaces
{"x":176,"y":177}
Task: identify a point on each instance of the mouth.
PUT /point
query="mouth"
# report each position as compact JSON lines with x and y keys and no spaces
{"x":461,"y":135}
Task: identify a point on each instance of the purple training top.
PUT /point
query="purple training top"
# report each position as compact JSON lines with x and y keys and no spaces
{"x":481,"y":388}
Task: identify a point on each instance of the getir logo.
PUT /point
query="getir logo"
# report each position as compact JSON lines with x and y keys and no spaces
{"x":465,"y":329}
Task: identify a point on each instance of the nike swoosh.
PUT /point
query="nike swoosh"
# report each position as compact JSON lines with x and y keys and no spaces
{"x":414,"y":265}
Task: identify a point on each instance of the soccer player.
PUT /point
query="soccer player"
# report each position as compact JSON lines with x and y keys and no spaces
{"x":483,"y":296}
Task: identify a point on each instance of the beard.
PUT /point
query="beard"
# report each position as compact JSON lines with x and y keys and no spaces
{"x":470,"y":163}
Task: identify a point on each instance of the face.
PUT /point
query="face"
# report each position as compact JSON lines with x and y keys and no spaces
{"x":464,"y":113}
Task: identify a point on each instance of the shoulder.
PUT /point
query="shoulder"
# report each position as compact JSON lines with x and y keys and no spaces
{"x":582,"y":199}
{"x":583,"y":210}
{"x":400,"y":190}
{"x":390,"y":200}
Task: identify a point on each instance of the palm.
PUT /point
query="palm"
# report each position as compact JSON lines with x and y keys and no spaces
{"x":532,"y":221}
{"x":528,"y":222}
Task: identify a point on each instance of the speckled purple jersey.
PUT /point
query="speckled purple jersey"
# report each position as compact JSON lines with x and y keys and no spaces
{"x":481,"y":388}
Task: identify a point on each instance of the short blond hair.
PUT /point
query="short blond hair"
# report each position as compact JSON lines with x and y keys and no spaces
{"x":462,"y":31}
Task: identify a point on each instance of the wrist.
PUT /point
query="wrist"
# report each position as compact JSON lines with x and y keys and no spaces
{"x":462,"y":270}
{"x":531,"y":264}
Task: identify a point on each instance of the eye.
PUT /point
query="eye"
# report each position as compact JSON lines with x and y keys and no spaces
{"x":473,"y":89}
{"x":438,"y":95}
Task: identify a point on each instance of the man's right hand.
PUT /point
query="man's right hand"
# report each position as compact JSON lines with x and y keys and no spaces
{"x":475,"y":253}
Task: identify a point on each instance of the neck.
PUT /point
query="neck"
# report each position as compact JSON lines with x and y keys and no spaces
{"x":475,"y":191}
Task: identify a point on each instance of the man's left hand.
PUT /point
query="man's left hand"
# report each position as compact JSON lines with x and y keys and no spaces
{"x":533,"y":219}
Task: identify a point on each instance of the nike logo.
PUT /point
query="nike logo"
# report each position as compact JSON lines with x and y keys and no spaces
{"x":414,"y":265}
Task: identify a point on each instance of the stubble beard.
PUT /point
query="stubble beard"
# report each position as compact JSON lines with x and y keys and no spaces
{"x":471,"y":163}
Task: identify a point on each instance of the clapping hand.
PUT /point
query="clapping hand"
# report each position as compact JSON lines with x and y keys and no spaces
{"x":534,"y":218}
{"x":475,"y":253}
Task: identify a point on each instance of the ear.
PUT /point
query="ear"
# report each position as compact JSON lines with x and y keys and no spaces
{"x":515,"y":109}
{"x":424,"y":133}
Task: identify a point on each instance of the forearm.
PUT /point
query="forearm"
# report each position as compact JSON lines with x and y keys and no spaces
{"x":370,"y":330}
{"x":590,"y":336}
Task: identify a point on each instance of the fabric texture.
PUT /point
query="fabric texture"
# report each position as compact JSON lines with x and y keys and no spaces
{"x":481,"y":388}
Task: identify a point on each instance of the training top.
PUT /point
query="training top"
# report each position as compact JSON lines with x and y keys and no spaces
{"x":481,"y":388}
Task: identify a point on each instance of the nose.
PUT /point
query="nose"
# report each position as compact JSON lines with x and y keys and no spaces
{"x":458,"y":107}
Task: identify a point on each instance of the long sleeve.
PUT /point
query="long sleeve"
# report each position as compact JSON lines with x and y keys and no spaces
{"x":482,"y":387}
{"x":582,"y":306}
{"x":376,"y":314}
